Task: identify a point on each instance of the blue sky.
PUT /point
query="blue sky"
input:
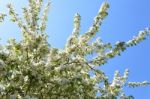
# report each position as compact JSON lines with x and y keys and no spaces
{"x":125,"y":19}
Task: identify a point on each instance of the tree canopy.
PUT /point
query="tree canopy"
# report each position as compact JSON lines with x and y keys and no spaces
{"x":33,"y":69}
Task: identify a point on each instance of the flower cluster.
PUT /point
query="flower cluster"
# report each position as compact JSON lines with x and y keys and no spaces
{"x":2,"y":16}
{"x":32,"y":69}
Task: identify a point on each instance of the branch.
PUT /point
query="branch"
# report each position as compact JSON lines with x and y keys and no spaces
{"x":96,"y":24}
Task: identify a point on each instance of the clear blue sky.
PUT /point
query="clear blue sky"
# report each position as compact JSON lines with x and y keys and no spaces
{"x":126,"y":18}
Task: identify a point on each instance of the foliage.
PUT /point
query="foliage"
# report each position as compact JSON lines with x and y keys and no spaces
{"x":32,"y":69}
